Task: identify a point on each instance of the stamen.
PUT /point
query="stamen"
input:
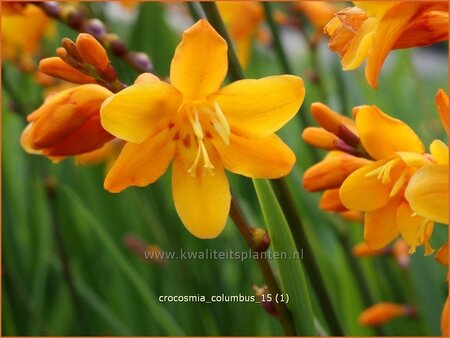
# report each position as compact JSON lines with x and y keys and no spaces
{"x":398,"y":184}
{"x":223,"y":120}
{"x":194,"y":165}
{"x":220,"y":130}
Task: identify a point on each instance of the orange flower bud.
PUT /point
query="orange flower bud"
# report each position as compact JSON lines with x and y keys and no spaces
{"x":442,"y":255}
{"x":68,"y":123}
{"x":92,"y":52}
{"x":320,"y":138}
{"x":363,"y":250}
{"x":400,"y":251}
{"x":56,"y":67}
{"x":341,"y":126}
{"x":332,"y":171}
{"x":381,"y":313}
{"x":330,"y":201}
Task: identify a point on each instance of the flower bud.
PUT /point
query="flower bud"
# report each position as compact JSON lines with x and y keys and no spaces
{"x":56,"y":67}
{"x":68,"y":123}
{"x":261,"y":294}
{"x":320,"y":138}
{"x":332,"y":171}
{"x":92,"y":52}
{"x":381,"y":313}
{"x":341,"y":126}
{"x":352,"y":215}
{"x":72,"y":50}
{"x":330,"y":201}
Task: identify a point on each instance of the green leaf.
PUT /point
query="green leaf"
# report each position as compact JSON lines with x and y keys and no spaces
{"x":292,"y":276}
{"x":158,"y":312}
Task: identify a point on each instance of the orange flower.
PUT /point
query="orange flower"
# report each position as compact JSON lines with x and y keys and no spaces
{"x":381,"y":313}
{"x":372,"y":29}
{"x":23,"y":28}
{"x":203,"y":128}
{"x":319,"y":13}
{"x":445,"y":319}
{"x":67,"y":124}
{"x":243,"y":20}
{"x":363,"y":250}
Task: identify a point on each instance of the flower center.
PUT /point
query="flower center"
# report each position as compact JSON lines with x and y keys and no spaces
{"x":383,"y":174}
{"x":199,"y":114}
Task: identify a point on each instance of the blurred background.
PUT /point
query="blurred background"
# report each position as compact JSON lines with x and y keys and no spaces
{"x":72,"y":252}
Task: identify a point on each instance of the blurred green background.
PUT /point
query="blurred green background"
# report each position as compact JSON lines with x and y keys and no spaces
{"x":66,"y":267}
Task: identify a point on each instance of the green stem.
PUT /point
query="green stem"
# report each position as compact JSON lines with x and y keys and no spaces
{"x":276,"y":38}
{"x":241,"y":223}
{"x":235,"y":72}
{"x":312,"y":267}
{"x":195,"y":10}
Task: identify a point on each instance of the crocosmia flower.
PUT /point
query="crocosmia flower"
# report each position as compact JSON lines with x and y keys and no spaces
{"x":373,"y":28}
{"x":202,"y":129}
{"x":378,"y":188}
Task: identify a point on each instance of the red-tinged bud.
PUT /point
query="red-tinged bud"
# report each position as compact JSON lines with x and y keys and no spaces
{"x":56,"y":67}
{"x":320,"y":138}
{"x":68,"y":123}
{"x":96,"y":28}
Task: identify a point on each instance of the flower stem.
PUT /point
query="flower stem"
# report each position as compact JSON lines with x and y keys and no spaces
{"x":283,"y":314}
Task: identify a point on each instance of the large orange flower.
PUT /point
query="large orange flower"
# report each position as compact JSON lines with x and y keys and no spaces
{"x":202,"y":128}
{"x":373,"y":28}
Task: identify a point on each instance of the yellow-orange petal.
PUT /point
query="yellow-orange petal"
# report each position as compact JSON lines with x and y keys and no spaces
{"x":141,"y":164}
{"x":140,"y":111}
{"x":425,"y":29}
{"x":200,"y":63}
{"x":56,"y":67}
{"x":92,"y":52}
{"x":442,"y":104}
{"x":442,"y":255}
{"x":258,"y":108}
{"x":427,"y":192}
{"x":360,"y":45}
{"x":146,"y":78}
{"x":414,"y":229}
{"x":268,"y":157}
{"x":381,"y":313}
{"x":332,"y":171}
{"x":201,"y":201}
{"x":390,"y":27}
{"x":382,"y":135}
{"x":439,"y":150}
{"x":380,"y":226}
{"x":377,"y":9}
{"x":355,"y":188}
